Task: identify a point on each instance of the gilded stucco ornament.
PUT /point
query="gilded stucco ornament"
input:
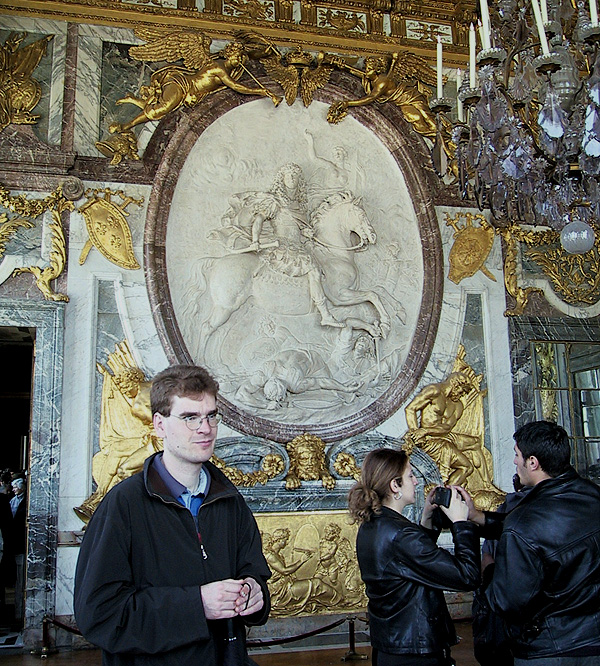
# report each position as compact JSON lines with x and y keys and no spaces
{"x":446,"y":421}
{"x":19,"y":92}
{"x":345,"y":465}
{"x":174,"y":86}
{"x":313,"y":563}
{"x":574,"y":278}
{"x":119,"y":147}
{"x":127,"y":435}
{"x":307,"y":462}
{"x":472,"y":246}
{"x":29,"y":209}
{"x":397,"y":80}
{"x":107,"y":227}
{"x":296,"y":71}
{"x":545,"y":357}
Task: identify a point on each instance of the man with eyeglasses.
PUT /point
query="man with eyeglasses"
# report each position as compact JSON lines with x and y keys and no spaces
{"x":171,"y":566}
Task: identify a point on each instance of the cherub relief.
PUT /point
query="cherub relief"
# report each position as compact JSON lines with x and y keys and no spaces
{"x":315,"y":576}
{"x":201,"y":74}
{"x":397,"y":81}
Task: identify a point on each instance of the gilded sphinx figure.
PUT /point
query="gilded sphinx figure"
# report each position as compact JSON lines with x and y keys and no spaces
{"x":445,"y":420}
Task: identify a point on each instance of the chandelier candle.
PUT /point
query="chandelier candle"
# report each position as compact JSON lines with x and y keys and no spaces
{"x":440,"y":87}
{"x":486,"y":42}
{"x":472,"y":49}
{"x":540,"y":26}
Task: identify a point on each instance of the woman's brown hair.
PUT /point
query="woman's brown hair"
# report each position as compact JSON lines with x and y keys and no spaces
{"x":379,"y":469}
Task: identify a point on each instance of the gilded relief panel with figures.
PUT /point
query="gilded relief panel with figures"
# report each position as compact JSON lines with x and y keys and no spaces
{"x":313,"y":562}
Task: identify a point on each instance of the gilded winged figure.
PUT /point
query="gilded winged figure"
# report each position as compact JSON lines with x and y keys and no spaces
{"x":397,"y":81}
{"x":19,"y":93}
{"x":201,"y":74}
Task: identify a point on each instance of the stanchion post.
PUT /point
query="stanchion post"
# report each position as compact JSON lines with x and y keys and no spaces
{"x":352,"y":654}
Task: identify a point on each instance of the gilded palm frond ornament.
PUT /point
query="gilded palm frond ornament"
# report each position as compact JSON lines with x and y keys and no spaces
{"x":28,"y":210}
{"x":201,"y":73}
{"x":19,"y":92}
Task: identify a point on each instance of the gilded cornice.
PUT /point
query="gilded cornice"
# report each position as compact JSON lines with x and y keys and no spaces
{"x":286,"y":32}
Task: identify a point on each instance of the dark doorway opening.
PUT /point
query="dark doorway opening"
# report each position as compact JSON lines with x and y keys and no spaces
{"x":16,"y":361}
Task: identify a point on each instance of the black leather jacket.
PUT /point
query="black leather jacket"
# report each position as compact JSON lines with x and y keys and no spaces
{"x":546,"y":582}
{"x":405,"y":574}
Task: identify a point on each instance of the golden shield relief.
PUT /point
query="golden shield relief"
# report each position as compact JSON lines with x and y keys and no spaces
{"x":472,"y":246}
{"x":107,"y":227}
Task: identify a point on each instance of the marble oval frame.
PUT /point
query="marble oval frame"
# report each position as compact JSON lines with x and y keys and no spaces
{"x":175,"y":140}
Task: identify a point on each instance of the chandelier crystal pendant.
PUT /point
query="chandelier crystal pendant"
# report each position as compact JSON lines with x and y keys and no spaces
{"x":530,"y":149}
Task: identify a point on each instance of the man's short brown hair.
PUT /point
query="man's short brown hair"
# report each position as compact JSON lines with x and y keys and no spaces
{"x":180,"y":380}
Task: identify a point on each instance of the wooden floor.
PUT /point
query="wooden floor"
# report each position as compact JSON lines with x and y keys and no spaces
{"x":462,"y":653}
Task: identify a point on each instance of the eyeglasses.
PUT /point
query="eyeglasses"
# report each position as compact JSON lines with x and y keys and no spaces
{"x":193,"y":422}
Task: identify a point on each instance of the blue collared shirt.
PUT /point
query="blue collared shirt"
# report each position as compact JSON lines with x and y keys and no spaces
{"x":182,"y":494}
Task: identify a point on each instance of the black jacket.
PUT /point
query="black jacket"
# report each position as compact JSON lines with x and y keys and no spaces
{"x":141,"y":565}
{"x":405,"y":574}
{"x":546,"y":582}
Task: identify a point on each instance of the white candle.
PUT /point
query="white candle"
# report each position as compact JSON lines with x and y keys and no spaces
{"x":440,"y":87}
{"x":459,"y":104}
{"x":540,"y":26}
{"x":544,"y":8}
{"x":485,"y":20}
{"x":593,"y":12}
{"x":472,"y":48}
{"x":481,"y":37}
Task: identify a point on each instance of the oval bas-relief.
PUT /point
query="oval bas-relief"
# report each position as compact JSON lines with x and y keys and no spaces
{"x":300,"y":262}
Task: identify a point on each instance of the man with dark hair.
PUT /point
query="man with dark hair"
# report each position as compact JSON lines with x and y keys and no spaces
{"x":171,"y":565}
{"x":546,"y":581}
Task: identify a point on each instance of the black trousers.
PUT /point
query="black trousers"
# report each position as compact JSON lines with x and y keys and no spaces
{"x":431,"y":659}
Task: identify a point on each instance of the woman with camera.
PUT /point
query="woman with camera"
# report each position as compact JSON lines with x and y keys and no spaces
{"x":404,"y":571}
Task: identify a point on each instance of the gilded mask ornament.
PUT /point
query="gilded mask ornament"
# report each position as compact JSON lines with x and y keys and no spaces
{"x":307,"y":462}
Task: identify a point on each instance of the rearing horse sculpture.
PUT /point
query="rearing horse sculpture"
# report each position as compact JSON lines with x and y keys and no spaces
{"x":340,"y":228}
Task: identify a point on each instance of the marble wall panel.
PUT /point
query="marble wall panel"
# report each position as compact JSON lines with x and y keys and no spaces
{"x":107,"y":304}
{"x":88,"y":101}
{"x":44,"y":456}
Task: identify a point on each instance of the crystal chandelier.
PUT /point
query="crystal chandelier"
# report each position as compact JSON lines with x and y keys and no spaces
{"x":530,"y":147}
